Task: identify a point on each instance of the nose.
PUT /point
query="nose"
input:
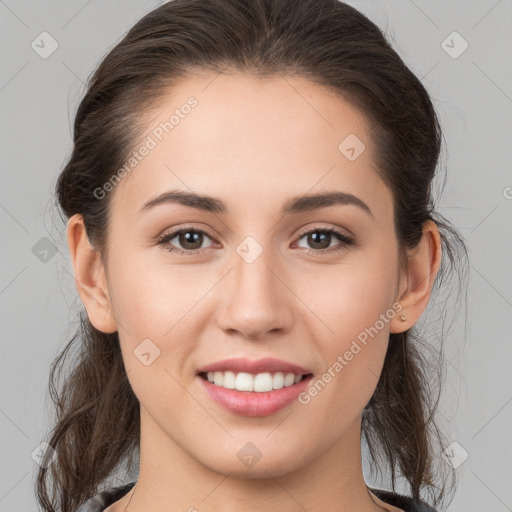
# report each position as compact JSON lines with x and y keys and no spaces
{"x":254,"y":298}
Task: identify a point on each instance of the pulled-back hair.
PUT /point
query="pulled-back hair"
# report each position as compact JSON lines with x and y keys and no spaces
{"x":97,"y":427}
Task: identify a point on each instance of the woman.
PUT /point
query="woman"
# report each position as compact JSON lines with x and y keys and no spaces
{"x":253,"y":239}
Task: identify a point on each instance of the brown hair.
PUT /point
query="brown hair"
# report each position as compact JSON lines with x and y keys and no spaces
{"x":332,"y":44}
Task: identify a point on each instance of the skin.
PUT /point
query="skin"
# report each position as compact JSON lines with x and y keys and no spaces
{"x":253,"y":144}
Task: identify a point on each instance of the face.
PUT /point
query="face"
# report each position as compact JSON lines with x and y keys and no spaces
{"x":254,"y":274}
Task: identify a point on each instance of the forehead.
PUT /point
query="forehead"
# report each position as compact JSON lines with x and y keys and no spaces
{"x":252,"y":141}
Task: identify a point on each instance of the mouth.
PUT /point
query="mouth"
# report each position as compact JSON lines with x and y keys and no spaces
{"x":253,"y":395}
{"x":257,"y":383}
{"x":253,"y":387}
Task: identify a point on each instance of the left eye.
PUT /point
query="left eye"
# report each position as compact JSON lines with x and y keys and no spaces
{"x":325,"y":235}
{"x":192,"y":239}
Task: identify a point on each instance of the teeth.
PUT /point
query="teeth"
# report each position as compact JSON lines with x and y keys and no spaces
{"x":229,"y":380}
{"x":247,"y":382}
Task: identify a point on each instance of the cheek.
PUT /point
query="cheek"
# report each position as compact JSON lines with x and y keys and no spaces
{"x":149,"y":297}
{"x":353,"y":332}
{"x":349,"y":298}
{"x":154,"y":308}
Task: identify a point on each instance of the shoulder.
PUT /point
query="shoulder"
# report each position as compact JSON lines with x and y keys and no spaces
{"x":405,"y":503}
{"x":105,"y":498}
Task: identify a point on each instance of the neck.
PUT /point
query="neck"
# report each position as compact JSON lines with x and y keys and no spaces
{"x":171,"y":479}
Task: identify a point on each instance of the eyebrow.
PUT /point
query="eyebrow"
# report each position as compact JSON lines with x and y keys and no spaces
{"x":298,"y":204}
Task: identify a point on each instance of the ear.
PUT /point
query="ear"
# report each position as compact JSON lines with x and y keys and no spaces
{"x":90,"y":279}
{"x":417,"y":281}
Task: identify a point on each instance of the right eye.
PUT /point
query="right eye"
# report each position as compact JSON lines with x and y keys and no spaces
{"x":191,"y":239}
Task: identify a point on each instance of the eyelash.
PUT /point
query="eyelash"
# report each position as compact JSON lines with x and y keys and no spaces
{"x":344,"y":239}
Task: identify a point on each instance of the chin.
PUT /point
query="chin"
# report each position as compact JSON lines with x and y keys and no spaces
{"x":259,"y":467}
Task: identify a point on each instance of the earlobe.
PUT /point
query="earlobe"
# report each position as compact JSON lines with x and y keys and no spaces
{"x":90,"y":278}
{"x":423,"y":265}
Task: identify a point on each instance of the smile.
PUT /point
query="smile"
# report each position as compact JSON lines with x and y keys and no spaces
{"x":260,"y":383}
{"x":252,"y":402}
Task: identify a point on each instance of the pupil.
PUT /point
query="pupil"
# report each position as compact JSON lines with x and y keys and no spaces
{"x":186,"y":239}
{"x":324,"y":236}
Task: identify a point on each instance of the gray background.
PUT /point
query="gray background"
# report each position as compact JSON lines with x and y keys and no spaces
{"x":473,"y":96}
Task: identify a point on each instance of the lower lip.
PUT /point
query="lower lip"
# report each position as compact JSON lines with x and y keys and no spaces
{"x":253,"y":403}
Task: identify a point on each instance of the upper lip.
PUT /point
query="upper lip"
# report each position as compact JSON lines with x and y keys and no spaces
{"x":240,"y":364}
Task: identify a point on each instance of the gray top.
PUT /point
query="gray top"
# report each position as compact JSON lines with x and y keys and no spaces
{"x":104,"y":499}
